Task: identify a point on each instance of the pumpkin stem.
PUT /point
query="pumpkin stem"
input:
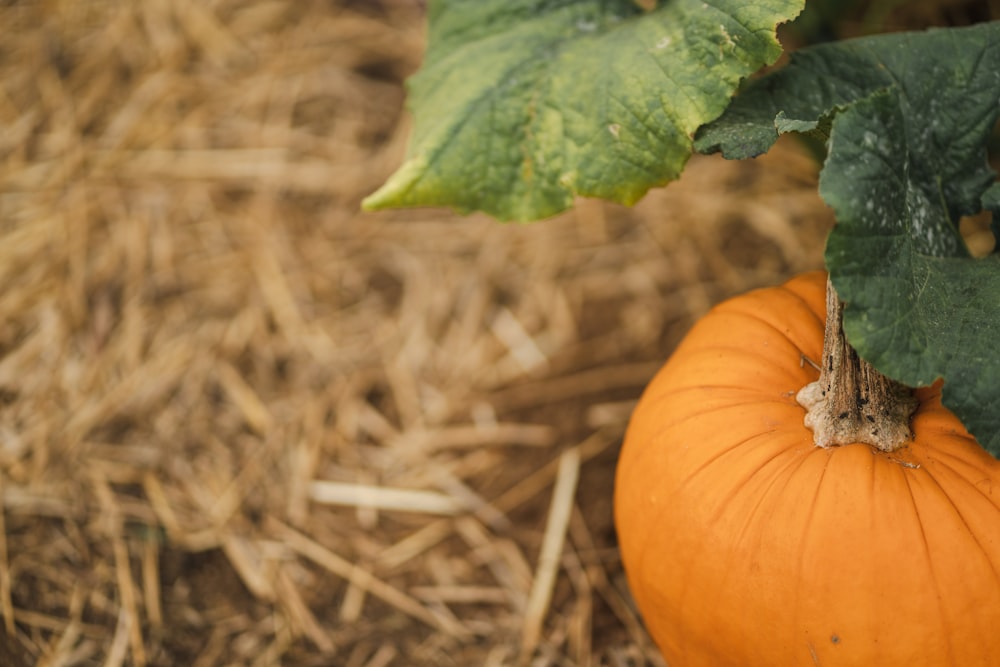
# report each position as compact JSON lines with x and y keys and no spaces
{"x":852,"y":402}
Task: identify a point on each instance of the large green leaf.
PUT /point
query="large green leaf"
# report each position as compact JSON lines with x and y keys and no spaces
{"x":911,"y":117}
{"x":523,"y":104}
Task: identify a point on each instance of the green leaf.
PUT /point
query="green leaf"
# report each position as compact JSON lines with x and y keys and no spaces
{"x":816,"y":82}
{"x":912,"y":114}
{"x":918,"y":307}
{"x":521,"y":105}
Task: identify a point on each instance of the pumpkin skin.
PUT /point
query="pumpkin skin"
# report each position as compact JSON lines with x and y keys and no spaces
{"x":745,"y":545}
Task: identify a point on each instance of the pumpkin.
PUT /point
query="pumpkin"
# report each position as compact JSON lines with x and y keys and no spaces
{"x":746,"y":545}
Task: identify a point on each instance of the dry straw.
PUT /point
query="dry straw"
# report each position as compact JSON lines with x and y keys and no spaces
{"x":242,"y":423}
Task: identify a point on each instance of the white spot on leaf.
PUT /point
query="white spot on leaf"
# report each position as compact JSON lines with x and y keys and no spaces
{"x":727,"y":39}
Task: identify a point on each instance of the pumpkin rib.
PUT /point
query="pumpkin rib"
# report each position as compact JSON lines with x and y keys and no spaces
{"x":693,"y":474}
{"x":810,"y":524}
{"x":734,"y":447}
{"x":941,"y":455}
{"x":807,"y":307}
{"x":724,"y":501}
{"x":696,"y":473}
{"x":742,"y":351}
{"x":666,"y":426}
{"x":795,"y":463}
{"x":994,"y":502}
{"x":757,"y":319}
{"x":958,"y":512}
{"x":789,"y":288}
{"x":707,"y":369}
{"x":787,"y":472}
{"x":716,"y":408}
{"x":740,"y":304}
{"x":931,"y":570}
{"x":810,"y":281}
{"x":779,"y":334}
{"x":753,"y":315}
{"x":674,"y":391}
{"x":818,"y":317}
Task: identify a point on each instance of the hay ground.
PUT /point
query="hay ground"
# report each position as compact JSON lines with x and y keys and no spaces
{"x":242,"y":423}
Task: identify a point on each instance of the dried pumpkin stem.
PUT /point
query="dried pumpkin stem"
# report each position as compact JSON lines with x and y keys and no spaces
{"x":852,"y":402}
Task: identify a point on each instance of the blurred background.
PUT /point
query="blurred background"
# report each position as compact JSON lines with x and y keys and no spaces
{"x":243,"y":423}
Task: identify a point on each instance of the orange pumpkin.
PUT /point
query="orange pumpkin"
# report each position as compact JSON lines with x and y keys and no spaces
{"x":746,"y":545}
